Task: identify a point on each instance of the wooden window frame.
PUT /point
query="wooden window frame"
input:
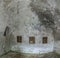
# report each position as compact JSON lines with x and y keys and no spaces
{"x":31,"y":40}
{"x":19,"y":39}
{"x":45,"y":40}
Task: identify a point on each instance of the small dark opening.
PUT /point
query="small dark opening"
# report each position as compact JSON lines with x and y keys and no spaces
{"x":6,"y":31}
{"x":32,"y":40}
{"x":45,"y":40}
{"x":19,"y":39}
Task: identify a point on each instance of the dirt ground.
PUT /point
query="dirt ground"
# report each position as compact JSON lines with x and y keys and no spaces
{"x":21,"y":55}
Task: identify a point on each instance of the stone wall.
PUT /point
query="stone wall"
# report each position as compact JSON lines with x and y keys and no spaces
{"x":24,"y":22}
{"x":17,"y":14}
{"x":3,"y":23}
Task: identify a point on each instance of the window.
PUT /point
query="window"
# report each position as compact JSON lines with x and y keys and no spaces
{"x":44,"y":40}
{"x":32,"y":40}
{"x":19,"y":39}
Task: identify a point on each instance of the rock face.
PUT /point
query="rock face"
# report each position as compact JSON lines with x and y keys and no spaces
{"x":45,"y":11}
{"x":3,"y":24}
{"x":23,"y":21}
{"x":38,"y":18}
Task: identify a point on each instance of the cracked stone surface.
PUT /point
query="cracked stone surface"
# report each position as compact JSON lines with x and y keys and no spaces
{"x":25,"y":20}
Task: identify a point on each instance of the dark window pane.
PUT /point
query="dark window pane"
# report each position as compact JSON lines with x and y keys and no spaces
{"x":19,"y":39}
{"x":31,"y":40}
{"x":44,"y":40}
